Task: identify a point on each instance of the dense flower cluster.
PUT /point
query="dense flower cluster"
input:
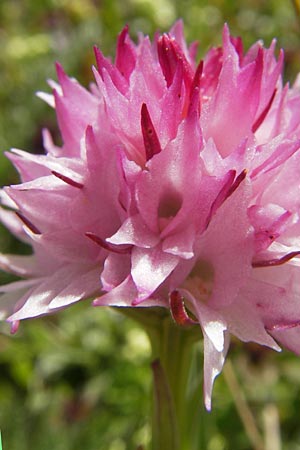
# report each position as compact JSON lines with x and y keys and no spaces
{"x":177,"y":185}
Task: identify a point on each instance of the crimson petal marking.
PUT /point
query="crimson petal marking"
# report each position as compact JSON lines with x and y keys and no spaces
{"x":222,"y":195}
{"x":170,"y":54}
{"x":237,"y":182}
{"x":178,"y":310}
{"x":231,"y":184}
{"x":151,"y":141}
{"x":106,"y":245}
{"x":125,"y":58}
{"x":263,"y":114}
{"x":194,"y":97}
{"x":167,"y":58}
{"x":28,"y":224}
{"x":284,"y":149}
{"x":197,"y":76}
{"x":276,"y":261}
{"x":67,"y":180}
{"x":194,"y":105}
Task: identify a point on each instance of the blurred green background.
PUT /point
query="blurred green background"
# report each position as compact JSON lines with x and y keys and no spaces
{"x":80,"y":380}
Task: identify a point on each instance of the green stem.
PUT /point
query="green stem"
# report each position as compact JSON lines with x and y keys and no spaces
{"x":172,"y":348}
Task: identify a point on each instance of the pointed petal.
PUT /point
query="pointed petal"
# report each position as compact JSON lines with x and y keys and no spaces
{"x":126,"y":57}
{"x":19,"y":265}
{"x":216,"y":342}
{"x":86,"y":284}
{"x":37,"y":300}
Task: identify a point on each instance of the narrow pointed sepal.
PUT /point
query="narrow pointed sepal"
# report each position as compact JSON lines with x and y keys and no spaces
{"x":151,"y":141}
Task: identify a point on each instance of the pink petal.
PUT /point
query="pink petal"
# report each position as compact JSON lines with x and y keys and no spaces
{"x":216,"y":342}
{"x":37,"y":301}
{"x":18,"y":265}
{"x":134,"y":231}
{"x":230,"y":252}
{"x":150,"y":268}
{"x":126,"y":57}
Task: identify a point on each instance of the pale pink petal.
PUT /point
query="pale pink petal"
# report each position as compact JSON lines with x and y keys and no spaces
{"x":37,"y":301}
{"x":181,"y":243}
{"x":85,"y":284}
{"x":19,"y":265}
{"x":116,"y":268}
{"x":122,"y":295}
{"x":229,"y":251}
{"x":134,"y":231}
{"x":216,"y":342}
{"x":150,"y":268}
{"x":289,"y":338}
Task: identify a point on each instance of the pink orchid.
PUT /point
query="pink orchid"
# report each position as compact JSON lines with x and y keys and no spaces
{"x":177,"y":185}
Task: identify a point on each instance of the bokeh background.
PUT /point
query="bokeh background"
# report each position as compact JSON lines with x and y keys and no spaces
{"x":81,"y":379}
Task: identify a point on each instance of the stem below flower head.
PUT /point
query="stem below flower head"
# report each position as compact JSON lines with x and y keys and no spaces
{"x":172,"y":348}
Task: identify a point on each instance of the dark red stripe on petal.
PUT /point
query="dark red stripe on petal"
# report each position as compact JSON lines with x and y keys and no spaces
{"x":178,"y":310}
{"x":170,"y":54}
{"x":194,"y":105}
{"x":28,"y":223}
{"x":276,"y":261}
{"x":67,"y":180}
{"x":197,"y":76}
{"x":107,"y":245}
{"x":222,"y":195}
{"x":230,"y":185}
{"x":262,"y":116}
{"x":237,"y":42}
{"x":151,"y":141}
{"x":167,"y":58}
{"x":237,"y":182}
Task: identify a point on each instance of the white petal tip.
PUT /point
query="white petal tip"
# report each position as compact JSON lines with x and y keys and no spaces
{"x":48,"y":98}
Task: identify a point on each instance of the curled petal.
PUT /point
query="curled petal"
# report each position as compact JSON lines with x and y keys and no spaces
{"x":178,"y":310}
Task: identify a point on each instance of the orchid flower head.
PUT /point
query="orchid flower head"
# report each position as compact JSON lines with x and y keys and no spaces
{"x":176,"y":185}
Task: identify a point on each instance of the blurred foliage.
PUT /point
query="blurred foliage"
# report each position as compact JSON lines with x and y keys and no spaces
{"x":81,"y":379}
{"x":75,"y":382}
